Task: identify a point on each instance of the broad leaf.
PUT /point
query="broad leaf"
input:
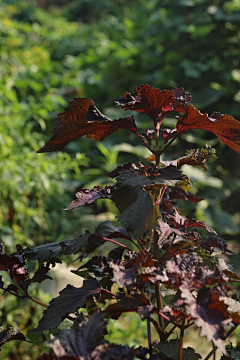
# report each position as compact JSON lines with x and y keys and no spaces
{"x":108,"y":230}
{"x":182,"y":222}
{"x":69,"y":300}
{"x":86,"y":196}
{"x":126,"y":271}
{"x":138,"y":214}
{"x":166,"y":231}
{"x":83,"y":118}
{"x":170,"y":350}
{"x":225,"y":127}
{"x":50,"y":252}
{"x":209,"y":312}
{"x":82,"y":338}
{"x":154,"y":102}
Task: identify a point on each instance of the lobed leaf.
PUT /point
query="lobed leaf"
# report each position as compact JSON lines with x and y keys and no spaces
{"x":182,"y":222}
{"x":170,"y":349}
{"x":154,"y":102}
{"x":225,"y":127}
{"x":69,"y":300}
{"x":82,"y":338}
{"x":83,"y":118}
{"x":209,"y":312}
{"x":50,"y":252}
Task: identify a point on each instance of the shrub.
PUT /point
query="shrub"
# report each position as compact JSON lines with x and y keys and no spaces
{"x":161,"y":253}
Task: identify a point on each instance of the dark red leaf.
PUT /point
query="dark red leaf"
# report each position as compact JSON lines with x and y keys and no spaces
{"x":82,"y":338}
{"x":148,"y":135}
{"x":182,"y":222}
{"x":225,"y":127}
{"x":116,"y":172}
{"x":69,"y":300}
{"x":168,"y":134}
{"x":131,"y":303}
{"x":86,"y":196}
{"x":83,"y":118}
{"x":210,"y":314}
{"x":108,"y":351}
{"x":10,"y":334}
{"x":154,"y":102}
{"x":166,"y":231}
{"x":178,"y":193}
{"x":13,"y":264}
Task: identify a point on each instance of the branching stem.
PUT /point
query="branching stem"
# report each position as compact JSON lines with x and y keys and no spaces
{"x":167,"y":145}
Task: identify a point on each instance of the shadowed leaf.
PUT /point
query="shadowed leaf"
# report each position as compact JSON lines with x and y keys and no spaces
{"x":138,"y":214}
{"x":170,"y":349}
{"x":209,"y":312}
{"x":182,"y":222}
{"x":82,"y":338}
{"x":69,"y":300}
{"x":83,"y":118}
{"x":50,"y":252}
{"x":225,"y":127}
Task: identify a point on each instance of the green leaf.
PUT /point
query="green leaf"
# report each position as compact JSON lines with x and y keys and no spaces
{"x":138,"y":213}
{"x":69,"y":300}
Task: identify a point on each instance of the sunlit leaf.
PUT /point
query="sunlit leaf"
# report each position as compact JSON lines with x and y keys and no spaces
{"x":83,"y":118}
{"x":225,"y":127}
{"x":154,"y":102}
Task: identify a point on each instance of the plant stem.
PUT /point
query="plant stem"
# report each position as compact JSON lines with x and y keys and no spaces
{"x":157,"y":153}
{"x":146,"y":144}
{"x":155,"y":236}
{"x":27,"y":296}
{"x":167,"y":145}
{"x":117,"y":243}
{"x":180,"y":350}
{"x":149,"y":337}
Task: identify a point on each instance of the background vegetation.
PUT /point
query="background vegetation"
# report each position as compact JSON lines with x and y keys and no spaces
{"x":53,"y":51}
